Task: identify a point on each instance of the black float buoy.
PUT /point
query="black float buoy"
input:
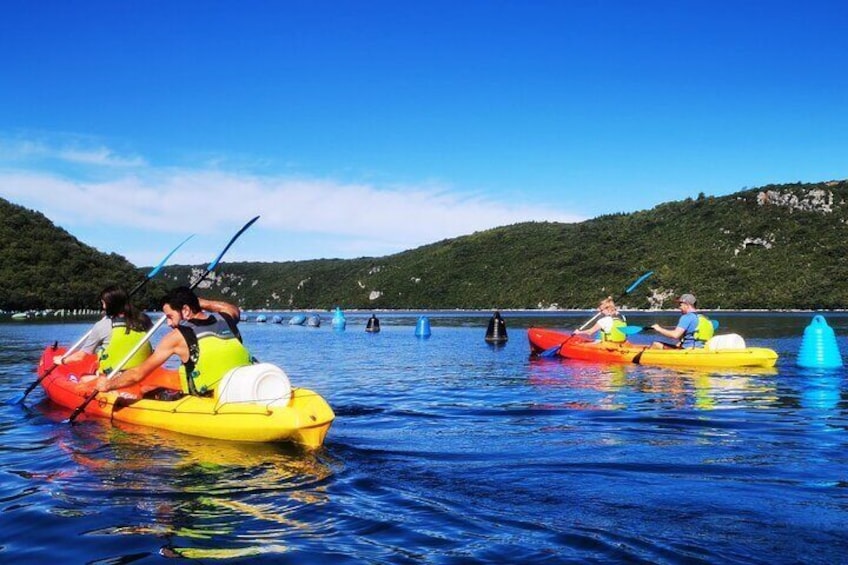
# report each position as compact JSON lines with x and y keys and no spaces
{"x":496,"y":332}
{"x":373,"y":325}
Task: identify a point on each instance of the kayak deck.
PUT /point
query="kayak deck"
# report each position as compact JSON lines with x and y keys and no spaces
{"x":579,"y":347}
{"x":304,"y":420}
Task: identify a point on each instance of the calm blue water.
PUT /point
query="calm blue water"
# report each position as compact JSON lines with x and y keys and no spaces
{"x":448,"y":450}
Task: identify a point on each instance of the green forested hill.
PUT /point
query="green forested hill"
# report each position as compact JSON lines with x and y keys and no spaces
{"x":43,"y":266}
{"x":773,"y":247}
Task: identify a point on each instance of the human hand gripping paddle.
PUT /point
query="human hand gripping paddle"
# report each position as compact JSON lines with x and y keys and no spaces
{"x":74,"y":347}
{"x":81,"y":408}
{"x":553,"y":351}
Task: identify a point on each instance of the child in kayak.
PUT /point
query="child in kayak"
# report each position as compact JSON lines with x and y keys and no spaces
{"x":609,"y":325}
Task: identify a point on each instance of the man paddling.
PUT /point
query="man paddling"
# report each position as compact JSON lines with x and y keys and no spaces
{"x":692,"y":330}
{"x":208,"y":345}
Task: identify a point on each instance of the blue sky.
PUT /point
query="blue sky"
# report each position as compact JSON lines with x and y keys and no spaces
{"x":363,"y":128}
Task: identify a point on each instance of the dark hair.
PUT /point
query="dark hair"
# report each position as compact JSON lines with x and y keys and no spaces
{"x":118,"y":304}
{"x":182,"y":296}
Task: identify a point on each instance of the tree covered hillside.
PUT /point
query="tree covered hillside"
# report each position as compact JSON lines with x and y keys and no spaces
{"x":771,"y":247}
{"x":778,"y":246}
{"x":43,"y":266}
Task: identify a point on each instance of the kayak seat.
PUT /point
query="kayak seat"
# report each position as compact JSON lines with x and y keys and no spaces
{"x":725,"y":342}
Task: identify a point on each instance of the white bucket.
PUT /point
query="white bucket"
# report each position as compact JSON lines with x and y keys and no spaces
{"x":727,"y":342}
{"x":262,"y":383}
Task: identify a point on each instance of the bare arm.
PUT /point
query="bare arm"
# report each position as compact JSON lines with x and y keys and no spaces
{"x":220,"y":306}
{"x":590,"y":331}
{"x":77,"y":355}
{"x":675,"y":334}
{"x":171,"y":344}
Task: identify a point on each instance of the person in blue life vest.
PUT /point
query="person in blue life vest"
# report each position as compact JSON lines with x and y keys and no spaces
{"x":692,"y":329}
{"x":114,"y":335}
{"x":204,"y":336}
{"x":609,"y":325}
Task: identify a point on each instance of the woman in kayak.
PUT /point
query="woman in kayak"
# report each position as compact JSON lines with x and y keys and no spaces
{"x":115,"y":335}
{"x":610,"y":323}
{"x":208,"y":345}
{"x":692,"y":330}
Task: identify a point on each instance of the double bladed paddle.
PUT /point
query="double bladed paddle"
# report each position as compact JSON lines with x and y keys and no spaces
{"x":79,"y":409}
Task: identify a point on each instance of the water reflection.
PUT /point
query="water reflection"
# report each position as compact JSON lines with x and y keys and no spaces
{"x":201,"y":497}
{"x":615,"y":387}
{"x":822,"y":391}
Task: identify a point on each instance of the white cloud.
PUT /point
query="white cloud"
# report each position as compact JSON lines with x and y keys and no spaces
{"x":301,"y":217}
{"x":102,"y":156}
{"x":74,"y":150}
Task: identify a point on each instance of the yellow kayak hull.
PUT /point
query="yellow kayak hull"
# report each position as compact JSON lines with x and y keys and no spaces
{"x":304,"y":420}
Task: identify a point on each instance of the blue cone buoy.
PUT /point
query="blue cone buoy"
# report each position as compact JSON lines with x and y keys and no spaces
{"x":818,"y":346}
{"x":422,"y":328}
{"x":339,"y":321}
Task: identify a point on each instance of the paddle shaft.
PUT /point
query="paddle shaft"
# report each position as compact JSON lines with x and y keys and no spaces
{"x":81,"y":408}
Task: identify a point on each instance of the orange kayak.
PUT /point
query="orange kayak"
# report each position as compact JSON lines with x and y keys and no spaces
{"x":582,"y":348}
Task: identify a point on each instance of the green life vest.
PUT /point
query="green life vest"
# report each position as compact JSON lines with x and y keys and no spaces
{"x":121,"y":342}
{"x":214,"y":348}
{"x":705,"y":329}
{"x":615,"y":334}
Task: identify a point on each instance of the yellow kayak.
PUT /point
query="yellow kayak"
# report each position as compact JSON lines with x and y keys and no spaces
{"x":304,"y":418}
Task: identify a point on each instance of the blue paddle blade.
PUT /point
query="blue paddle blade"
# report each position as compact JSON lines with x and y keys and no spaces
{"x":214,"y":263}
{"x":551,"y":351}
{"x":633,"y":330}
{"x":638,"y":282}
{"x":17,"y":399}
{"x":715,"y":324}
{"x":158,"y":267}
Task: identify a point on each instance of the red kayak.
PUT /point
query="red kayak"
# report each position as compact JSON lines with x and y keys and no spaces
{"x":580,"y":347}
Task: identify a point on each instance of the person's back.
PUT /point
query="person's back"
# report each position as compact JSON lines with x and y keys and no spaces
{"x":128,"y":328}
{"x":115,"y":335}
{"x":215,"y":349}
{"x":122,"y":342}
